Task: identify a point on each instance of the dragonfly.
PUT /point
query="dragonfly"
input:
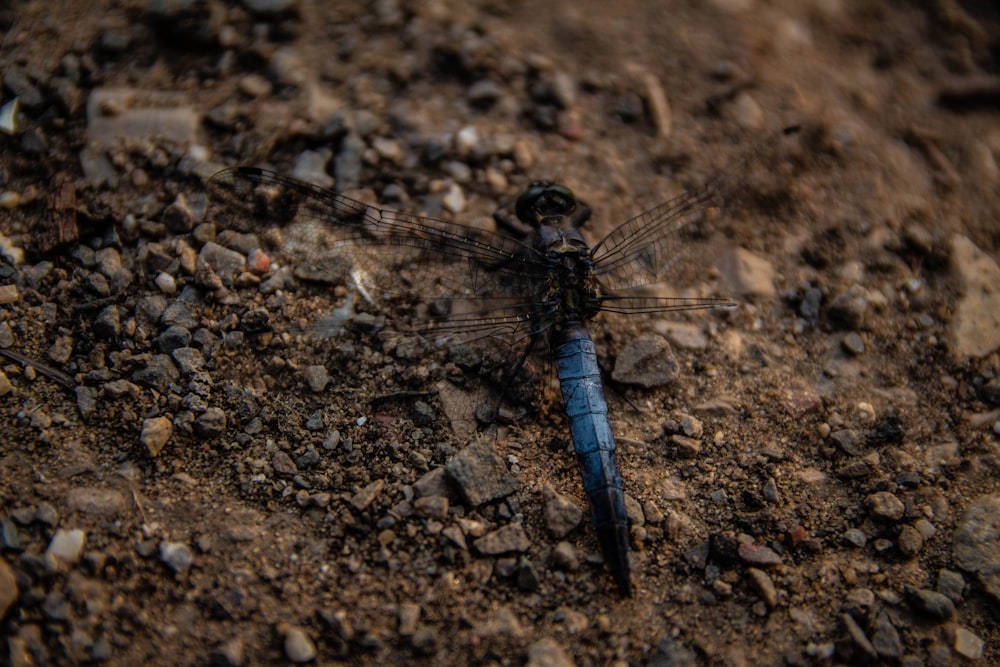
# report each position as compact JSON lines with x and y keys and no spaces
{"x":493,"y":287}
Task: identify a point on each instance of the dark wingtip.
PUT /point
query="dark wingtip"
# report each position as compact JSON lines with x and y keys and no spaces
{"x":624,"y":584}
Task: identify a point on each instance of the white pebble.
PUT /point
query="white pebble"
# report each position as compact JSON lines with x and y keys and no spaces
{"x":166,"y":283}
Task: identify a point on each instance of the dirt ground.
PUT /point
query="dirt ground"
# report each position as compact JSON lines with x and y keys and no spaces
{"x":191,"y":475}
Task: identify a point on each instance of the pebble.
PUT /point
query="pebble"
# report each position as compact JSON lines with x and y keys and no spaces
{"x":849,"y":308}
{"x":885,"y":638}
{"x":409,"y":616}
{"x":298,"y":647}
{"x":909,"y":541}
{"x":228,"y":654}
{"x":222,"y":262}
{"x":67,"y":545}
{"x":562,"y":515}
{"x":853,"y":343}
{"x":565,"y":557}
{"x":317,"y":377}
{"x":106,"y":503}
{"x":140,"y":115}
{"x":858,"y":638}
{"x":189,"y":360}
{"x":159,"y":373}
{"x":431,"y":507}
{"x":884,"y":506}
{"x":797,"y":399}
{"x":155,"y":434}
{"x":433,"y":483}
{"x":108,"y":323}
{"x":976,"y":546}
{"x":172,"y":338}
{"x":855,"y":537}
{"x":748,"y":274}
{"x":682,"y":334}
{"x":47,"y":514}
{"x":310,"y":167}
{"x":930,"y":602}
{"x":951,"y":584}
{"x":547,"y":652}
{"x":481,"y":474}
{"x":672,"y":653}
{"x":210,"y":423}
{"x":176,"y":555}
{"x":758,"y":554}
{"x":968,"y":644}
{"x":647,"y":362}
{"x":283,"y":465}
{"x":764,"y":586}
{"x":366,"y":496}
{"x":507,"y":539}
{"x":8,"y":587}
{"x":975,"y":320}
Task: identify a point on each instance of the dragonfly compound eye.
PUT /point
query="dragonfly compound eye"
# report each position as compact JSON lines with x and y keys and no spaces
{"x":544,"y":200}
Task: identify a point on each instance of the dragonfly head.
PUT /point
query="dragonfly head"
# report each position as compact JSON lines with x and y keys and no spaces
{"x":544,"y":200}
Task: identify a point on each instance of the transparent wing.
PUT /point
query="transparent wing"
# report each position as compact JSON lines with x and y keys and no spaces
{"x":485,"y":279}
{"x":631,"y":305}
{"x":642,"y":250}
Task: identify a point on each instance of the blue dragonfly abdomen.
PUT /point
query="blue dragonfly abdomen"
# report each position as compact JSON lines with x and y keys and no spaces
{"x":590,"y":430}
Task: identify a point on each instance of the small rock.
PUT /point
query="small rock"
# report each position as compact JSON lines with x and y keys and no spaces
{"x":758,"y":554}
{"x":228,"y":654}
{"x":647,"y":362}
{"x":672,"y":653}
{"x":159,"y":373}
{"x":930,"y":602}
{"x":8,"y":588}
{"x":858,"y":638}
{"x":176,"y":555}
{"x":977,"y":542}
{"x":283,"y":465}
{"x":503,"y":540}
{"x":798,"y":399}
{"x":852,"y":343}
{"x":885,"y":638}
{"x":885,"y":506}
{"x":67,"y":545}
{"x":849,"y":308}
{"x":764,"y":586}
{"x":108,"y":323}
{"x":855,"y":537}
{"x":409,"y":615}
{"x":173,"y":337}
{"x":156,"y":433}
{"x":561,"y":514}
{"x":431,"y":507}
{"x":223,"y":262}
{"x":951,"y":584}
{"x":967,"y":644}
{"x":847,"y":440}
{"x":210,"y":423}
{"x":481,"y":474}
{"x":547,"y":652}
{"x":975,"y":322}
{"x":298,"y":647}
{"x":910,"y":541}
{"x":564,"y":557}
{"x":106,"y":503}
{"x":748,"y":274}
{"x":687,"y":448}
{"x":317,"y":377}
{"x":366,"y":496}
